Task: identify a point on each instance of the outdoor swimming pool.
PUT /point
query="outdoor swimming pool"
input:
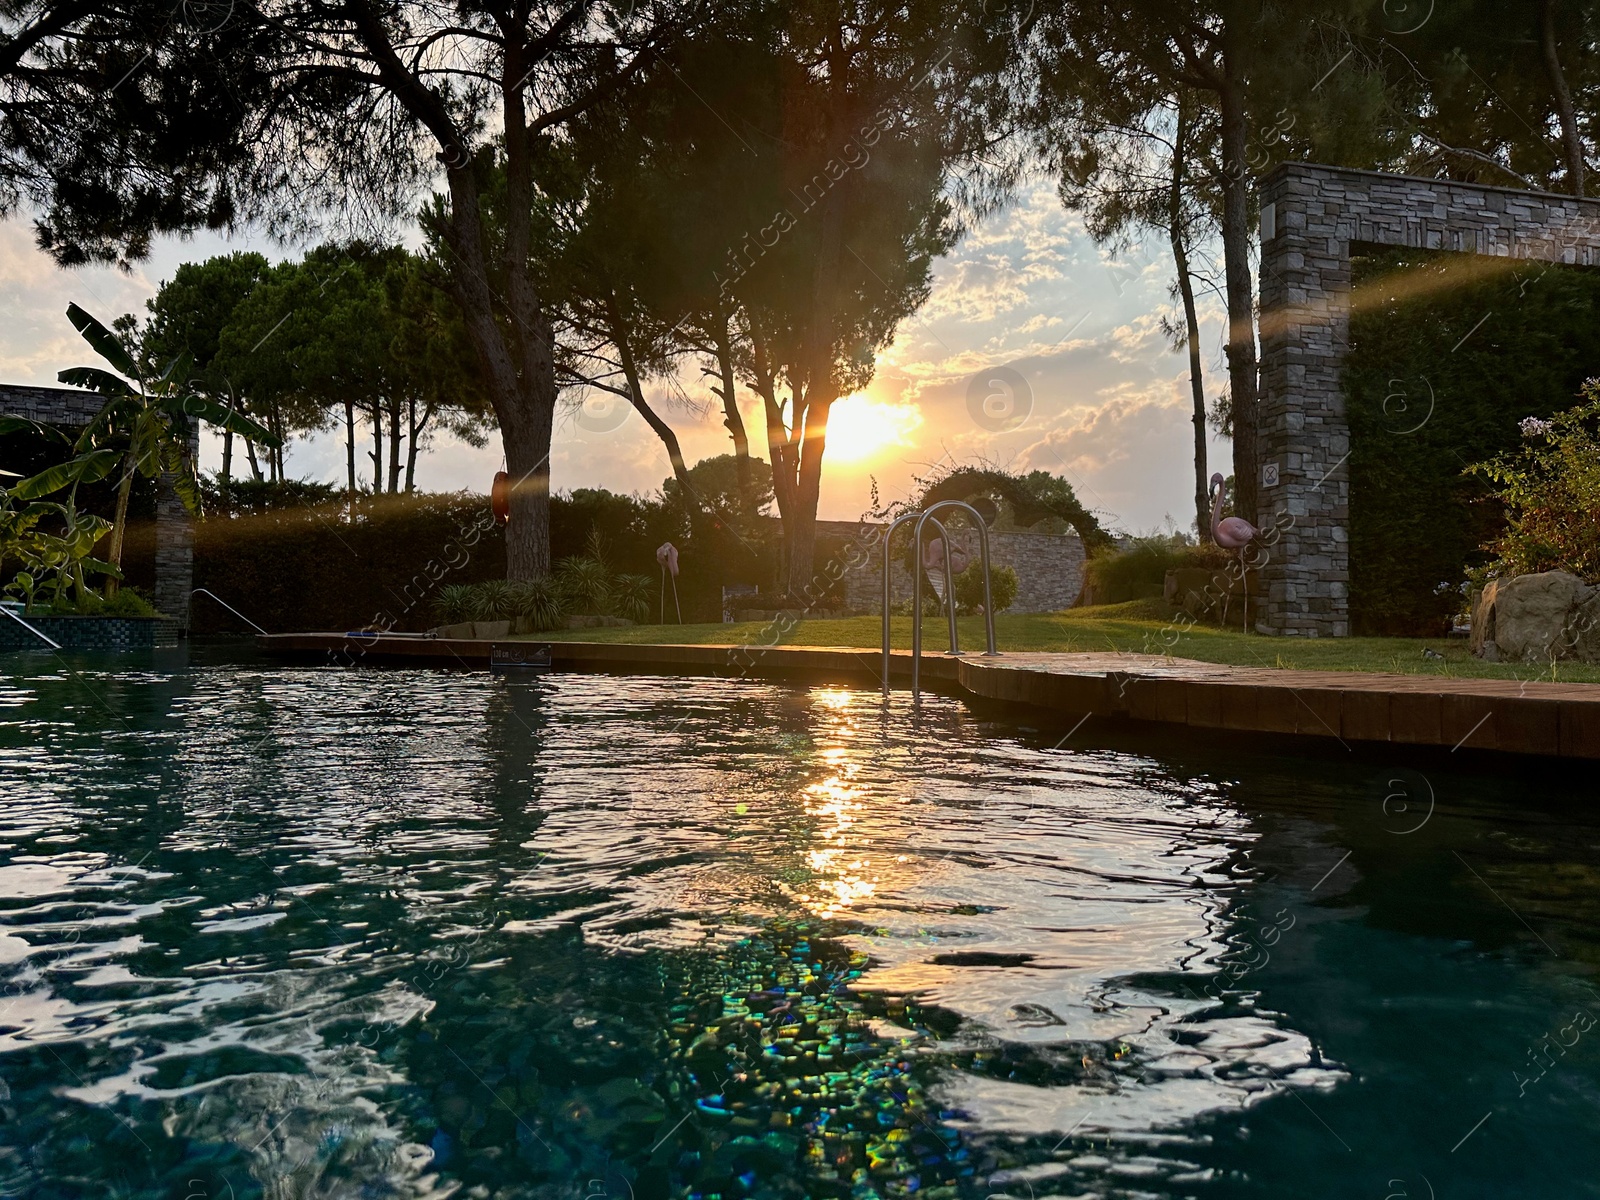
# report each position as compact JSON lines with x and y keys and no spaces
{"x":330,"y":932}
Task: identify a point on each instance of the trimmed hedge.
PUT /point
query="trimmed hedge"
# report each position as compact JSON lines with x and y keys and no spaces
{"x":1447,"y":354}
{"x":319,"y":569}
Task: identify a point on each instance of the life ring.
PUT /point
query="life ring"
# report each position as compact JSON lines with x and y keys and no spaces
{"x":500,"y":497}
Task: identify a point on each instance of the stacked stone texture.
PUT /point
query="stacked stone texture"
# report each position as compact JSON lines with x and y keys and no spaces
{"x":1049,"y":567}
{"x":1311,"y":215}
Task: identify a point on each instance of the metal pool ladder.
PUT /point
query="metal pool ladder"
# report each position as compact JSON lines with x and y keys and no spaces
{"x":922,"y":518}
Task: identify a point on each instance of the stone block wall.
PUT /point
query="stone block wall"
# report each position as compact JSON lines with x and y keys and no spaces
{"x":1049,"y":567}
{"x":1310,"y":217}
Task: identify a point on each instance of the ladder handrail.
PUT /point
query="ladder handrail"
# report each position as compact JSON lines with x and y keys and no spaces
{"x":916,"y":604}
{"x":922,"y":518}
{"x":226,"y":605}
{"x":949,"y":587}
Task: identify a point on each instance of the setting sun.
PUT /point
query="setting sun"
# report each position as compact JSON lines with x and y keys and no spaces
{"x":860,"y":427}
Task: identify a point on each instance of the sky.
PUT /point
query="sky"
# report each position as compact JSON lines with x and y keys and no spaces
{"x":1036,"y":349}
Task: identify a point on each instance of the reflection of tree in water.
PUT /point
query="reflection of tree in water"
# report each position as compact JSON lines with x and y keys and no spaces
{"x":747,"y":1073}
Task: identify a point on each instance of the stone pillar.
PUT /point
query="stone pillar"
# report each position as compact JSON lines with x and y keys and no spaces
{"x":175,"y":547}
{"x":1303,"y":436}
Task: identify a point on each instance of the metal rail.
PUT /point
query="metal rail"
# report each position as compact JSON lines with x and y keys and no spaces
{"x":949,"y":589}
{"x":229,"y":607}
{"x":921,"y":519}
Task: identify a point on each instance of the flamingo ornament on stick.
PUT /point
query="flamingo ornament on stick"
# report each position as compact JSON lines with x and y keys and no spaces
{"x":1231,"y":533}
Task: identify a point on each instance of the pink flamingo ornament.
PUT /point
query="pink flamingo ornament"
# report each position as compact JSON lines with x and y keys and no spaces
{"x":1231,"y":533}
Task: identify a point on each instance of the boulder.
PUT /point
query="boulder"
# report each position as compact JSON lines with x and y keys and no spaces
{"x":1535,"y":618}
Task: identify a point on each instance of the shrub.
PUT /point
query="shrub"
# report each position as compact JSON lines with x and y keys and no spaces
{"x":585,"y":582}
{"x":539,"y":602}
{"x":1550,"y":488}
{"x":454,"y":603}
{"x":1140,"y":571}
{"x":969,"y":588}
{"x":630,"y":596}
{"x":493,"y":600}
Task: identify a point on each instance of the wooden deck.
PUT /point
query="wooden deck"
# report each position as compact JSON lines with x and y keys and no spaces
{"x":1550,"y":719}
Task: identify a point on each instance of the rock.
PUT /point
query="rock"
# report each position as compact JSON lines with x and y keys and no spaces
{"x":1583,"y":627}
{"x":1531,"y":618}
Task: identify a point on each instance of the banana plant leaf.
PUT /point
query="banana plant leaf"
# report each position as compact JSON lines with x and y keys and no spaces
{"x":85,"y":468}
{"x":106,"y":344}
{"x":23,"y":425}
{"x":195,"y":405}
{"x":95,"y":380}
{"x":181,"y":476}
{"x":178,"y":368}
{"x":99,"y":566}
{"x":105,"y":420}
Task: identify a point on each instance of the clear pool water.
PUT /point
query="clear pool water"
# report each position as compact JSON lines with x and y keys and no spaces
{"x":330,"y":932}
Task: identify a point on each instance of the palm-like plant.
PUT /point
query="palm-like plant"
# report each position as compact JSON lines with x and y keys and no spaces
{"x":455,"y":602}
{"x":152,"y":413}
{"x":538,"y":602}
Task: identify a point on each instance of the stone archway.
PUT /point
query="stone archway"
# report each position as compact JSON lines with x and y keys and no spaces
{"x":1311,"y":216}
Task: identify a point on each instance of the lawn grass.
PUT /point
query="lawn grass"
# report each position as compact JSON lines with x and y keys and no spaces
{"x":1140,"y":626}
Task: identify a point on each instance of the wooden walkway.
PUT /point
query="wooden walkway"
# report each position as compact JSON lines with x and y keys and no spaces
{"x":1551,"y":719}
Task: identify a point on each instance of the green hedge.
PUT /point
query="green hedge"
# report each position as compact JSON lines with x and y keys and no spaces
{"x":319,"y":569}
{"x":1140,"y":571}
{"x":1448,"y":353}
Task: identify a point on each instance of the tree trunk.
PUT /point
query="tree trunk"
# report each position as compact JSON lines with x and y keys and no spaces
{"x":1180,"y":259}
{"x":820,"y":390}
{"x":227,"y":458}
{"x":1241,"y":345}
{"x":518,"y":357}
{"x":800,"y":531}
{"x":275,"y":453}
{"x":618,"y":332}
{"x":376,"y":453}
{"x":1571,"y":138}
{"x":119,"y":526}
{"x":250,"y":456}
{"x":731,"y":416}
{"x":394,"y":444}
{"x":350,"y":448}
{"x":414,"y":430}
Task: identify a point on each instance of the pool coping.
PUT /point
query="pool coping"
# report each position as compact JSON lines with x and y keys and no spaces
{"x":1553,"y":720}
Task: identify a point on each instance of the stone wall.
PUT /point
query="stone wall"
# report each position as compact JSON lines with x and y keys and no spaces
{"x":1310,"y":217}
{"x":1049,"y":567}
{"x":71,"y":408}
{"x":66,"y":407}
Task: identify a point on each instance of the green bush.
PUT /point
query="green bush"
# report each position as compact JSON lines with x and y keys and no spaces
{"x":630,"y":596}
{"x":454,"y":603}
{"x":492,"y":600}
{"x":1140,"y":571}
{"x":1550,"y":489}
{"x":969,"y":588}
{"x":538,"y":602}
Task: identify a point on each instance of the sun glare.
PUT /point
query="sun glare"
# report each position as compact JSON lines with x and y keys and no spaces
{"x":860,"y":427}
